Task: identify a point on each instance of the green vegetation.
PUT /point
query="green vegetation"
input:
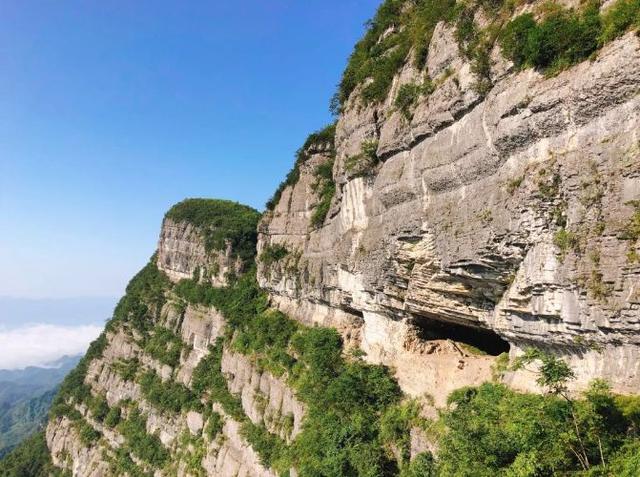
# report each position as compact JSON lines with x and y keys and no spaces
{"x":123,"y":464}
{"x":619,"y":18}
{"x":269,"y":447}
{"x":323,"y":136}
{"x":397,"y":27}
{"x":395,"y":427}
{"x":238,"y":302}
{"x":214,"y":426}
{"x":514,"y":184}
{"x":492,"y":430}
{"x":631,"y":232}
{"x":165,"y":346}
{"x":562,"y":38}
{"x":326,"y":189}
{"x":73,"y":388}
{"x":422,"y":465}
{"x":88,"y":435}
{"x":168,"y":396}
{"x":267,"y":337}
{"x":191,"y":450}
{"x":408,"y":95}
{"x":631,"y":229}
{"x":566,"y":241}
{"x":272,"y":254}
{"x":127,"y":369}
{"x":147,"y":447}
{"x":113,"y":417}
{"x":207,"y":381}
{"x":364,"y":163}
{"x":220,"y":222}
{"x":98,"y":407}
{"x":565,"y":37}
{"x":406,"y":99}
{"x":30,"y":459}
{"x":143,"y":300}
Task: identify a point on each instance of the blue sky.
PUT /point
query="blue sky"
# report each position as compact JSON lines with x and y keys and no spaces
{"x":111,"y":111}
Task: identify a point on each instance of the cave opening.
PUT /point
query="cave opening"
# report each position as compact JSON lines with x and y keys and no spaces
{"x":483,"y":339}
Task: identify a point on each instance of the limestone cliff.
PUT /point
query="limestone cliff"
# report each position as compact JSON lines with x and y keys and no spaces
{"x":499,"y":213}
{"x":126,"y":412}
{"x":474,"y":198}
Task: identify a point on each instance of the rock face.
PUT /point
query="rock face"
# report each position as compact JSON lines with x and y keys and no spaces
{"x":228,"y":454}
{"x":182,"y":252}
{"x":438,"y":241}
{"x":266,"y":399}
{"x":504,"y":213}
{"x":131,"y":410}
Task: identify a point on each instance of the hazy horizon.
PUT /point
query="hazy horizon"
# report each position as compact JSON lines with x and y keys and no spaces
{"x":34,"y":332}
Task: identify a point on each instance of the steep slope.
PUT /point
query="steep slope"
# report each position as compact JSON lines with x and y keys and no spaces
{"x":468,"y":226}
{"x":474,"y":197}
{"x":190,"y":378}
{"x":25,"y":397}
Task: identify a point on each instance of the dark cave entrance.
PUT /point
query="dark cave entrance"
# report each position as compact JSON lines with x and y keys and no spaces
{"x":485,"y":340}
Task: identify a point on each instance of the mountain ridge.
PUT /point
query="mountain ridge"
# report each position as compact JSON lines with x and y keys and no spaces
{"x":445,"y":284}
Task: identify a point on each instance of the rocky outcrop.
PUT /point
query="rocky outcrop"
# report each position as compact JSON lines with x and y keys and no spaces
{"x":184,"y":434}
{"x":266,"y":400}
{"x":503,"y":213}
{"x":67,"y":451}
{"x":440,"y":239}
{"x":182,"y":252}
{"x":233,"y":456}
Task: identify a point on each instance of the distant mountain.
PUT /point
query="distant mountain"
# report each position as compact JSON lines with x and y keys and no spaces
{"x":25,"y":398}
{"x":46,"y":376}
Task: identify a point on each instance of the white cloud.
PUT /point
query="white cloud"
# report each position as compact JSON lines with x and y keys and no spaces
{"x":41,"y":343}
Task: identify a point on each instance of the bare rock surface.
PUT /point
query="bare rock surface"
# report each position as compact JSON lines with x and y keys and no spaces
{"x":182,"y":252}
{"x":460,"y":223}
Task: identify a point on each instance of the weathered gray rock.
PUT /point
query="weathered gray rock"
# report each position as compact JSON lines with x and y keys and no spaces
{"x":266,"y":400}
{"x":457,"y":224}
{"x":182,"y":251}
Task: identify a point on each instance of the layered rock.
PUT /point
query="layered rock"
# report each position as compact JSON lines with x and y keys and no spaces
{"x":477,"y":223}
{"x":503,"y":212}
{"x":267,"y":400}
{"x":182,"y":252}
{"x":227,"y":455}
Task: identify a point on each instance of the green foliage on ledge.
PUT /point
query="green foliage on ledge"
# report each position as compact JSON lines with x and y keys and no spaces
{"x":220,"y":222}
{"x":168,"y":396}
{"x":324,"y":137}
{"x":272,"y":254}
{"x":398,"y":27}
{"x":209,"y":383}
{"x":165,"y":346}
{"x":325,"y":187}
{"x":88,"y":435}
{"x":73,"y":389}
{"x":560,"y":39}
{"x":147,"y":447}
{"x":563,"y":37}
{"x":143,"y":300}
{"x":30,"y":459}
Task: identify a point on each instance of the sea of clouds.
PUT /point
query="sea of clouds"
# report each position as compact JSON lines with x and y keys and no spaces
{"x":39,"y":344}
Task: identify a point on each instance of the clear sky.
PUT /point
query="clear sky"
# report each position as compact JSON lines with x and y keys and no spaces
{"x":111,"y":111}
